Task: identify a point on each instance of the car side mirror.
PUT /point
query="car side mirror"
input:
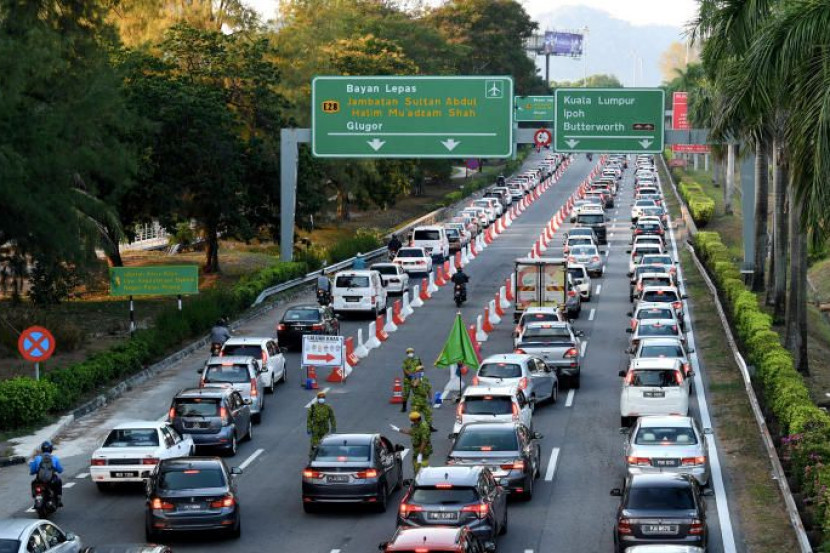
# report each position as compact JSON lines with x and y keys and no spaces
{"x":246,"y":401}
{"x":621,"y":374}
{"x":625,"y":430}
{"x":707,"y":431}
{"x":236,"y":470}
{"x":627,"y":251}
{"x":399,"y":448}
{"x":629,"y":313}
{"x":691,"y":374}
{"x":580,"y":333}
{"x":200,"y":370}
{"x":71,"y":536}
{"x":616,"y":492}
{"x":407,"y":482}
{"x":684,"y":296}
{"x":451,"y":436}
{"x":690,"y":350}
{"x":629,"y":330}
{"x":708,"y":492}
{"x":490,"y":547}
{"x":538,"y":436}
{"x":382,"y":545}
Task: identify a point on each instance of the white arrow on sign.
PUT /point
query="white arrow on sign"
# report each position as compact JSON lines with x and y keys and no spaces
{"x":645,"y":143}
{"x":376,"y":144}
{"x":450,"y":144}
{"x":572,"y":143}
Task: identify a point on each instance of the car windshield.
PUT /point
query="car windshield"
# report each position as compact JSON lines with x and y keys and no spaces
{"x":500,"y":370}
{"x":246,"y":350}
{"x":645,"y":314}
{"x":444,"y":496}
{"x":665,"y":435}
{"x":410,"y":253}
{"x":475,"y":439}
{"x":197,"y":407}
{"x":302,"y":314}
{"x":342,"y":452}
{"x":191,"y":479}
{"x":386,"y":269}
{"x":233,"y":374}
{"x":655,"y":351}
{"x":9,"y":546}
{"x":657,"y":330}
{"x":660,"y":498}
{"x":352,"y":281}
{"x":427,"y":235}
{"x":488,"y":405}
{"x":576,"y":273}
{"x":663,"y":378}
{"x":591,"y":219}
{"x":133,"y":437}
{"x":653,"y":211}
{"x":660,"y":296}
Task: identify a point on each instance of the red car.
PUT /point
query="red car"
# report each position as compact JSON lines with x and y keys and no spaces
{"x":428,"y":540}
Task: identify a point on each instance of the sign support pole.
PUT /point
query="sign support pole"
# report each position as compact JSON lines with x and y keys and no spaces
{"x":37,"y":370}
{"x":289,"y":160}
{"x":179,"y":300}
{"x":132,"y":317}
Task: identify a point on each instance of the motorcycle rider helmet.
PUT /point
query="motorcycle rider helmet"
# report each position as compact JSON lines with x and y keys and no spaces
{"x":46,"y":447}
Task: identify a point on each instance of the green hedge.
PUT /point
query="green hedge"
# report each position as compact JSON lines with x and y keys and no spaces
{"x":701,"y":206}
{"x":805,"y":428}
{"x":23,"y":400}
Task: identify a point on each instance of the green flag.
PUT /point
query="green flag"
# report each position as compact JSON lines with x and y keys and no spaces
{"x":458,"y":347}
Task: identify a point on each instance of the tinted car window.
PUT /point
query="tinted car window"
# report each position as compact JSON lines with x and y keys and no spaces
{"x":342,"y":452}
{"x":410,"y":253}
{"x":662,"y":379}
{"x":452,"y":233}
{"x":656,"y":281}
{"x":302,"y":315}
{"x":427,"y":235}
{"x":658,"y":330}
{"x":132,"y":437}
{"x":500,"y":370}
{"x":252,"y":350}
{"x":661,"y":351}
{"x":444,"y":496}
{"x":488,"y":405}
{"x":233,"y":374}
{"x":660,"y":296}
{"x":661,"y":498}
{"x":197,"y":407}
{"x":9,"y":546}
{"x":670,"y":435}
{"x":591,"y":219}
{"x":645,"y":314}
{"x":547,"y":335}
{"x":352,"y":281}
{"x":386,"y":270}
{"x":191,"y":479}
{"x":487,"y":440}
{"x":584,"y":250}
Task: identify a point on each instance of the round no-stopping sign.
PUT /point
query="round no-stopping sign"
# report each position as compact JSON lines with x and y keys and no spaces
{"x":542,"y":138}
{"x":36,"y":344}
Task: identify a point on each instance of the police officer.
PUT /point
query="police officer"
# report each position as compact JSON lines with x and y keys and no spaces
{"x":320,"y":421}
{"x":410,"y":367}
{"x":422,"y":397}
{"x":421,"y":441}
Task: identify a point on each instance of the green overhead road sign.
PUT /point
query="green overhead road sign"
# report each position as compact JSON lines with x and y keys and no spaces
{"x":412,"y":117}
{"x":534,"y":108}
{"x":160,"y":280}
{"x":622,"y":120}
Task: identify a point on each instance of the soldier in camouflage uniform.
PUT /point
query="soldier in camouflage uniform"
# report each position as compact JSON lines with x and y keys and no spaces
{"x":319,"y":421}
{"x":421,"y":441}
{"x":422,"y":396}
{"x":410,"y":367}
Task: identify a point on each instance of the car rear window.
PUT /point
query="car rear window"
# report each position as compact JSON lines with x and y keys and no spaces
{"x":427,"y":235}
{"x":660,"y":259}
{"x":500,"y":370}
{"x":584,"y":250}
{"x":302,"y":315}
{"x":385,"y":269}
{"x":656,"y":281}
{"x":577,"y":273}
{"x":660,"y":296}
{"x":661,"y":378}
{"x":543,"y":334}
{"x":645,"y":314}
{"x":410,"y":253}
{"x":233,"y":374}
{"x":488,"y":405}
{"x":133,"y":437}
{"x":342,"y":452}
{"x":452,"y":233}
{"x":660,"y":498}
{"x":197,"y":407}
{"x":655,"y":351}
{"x":248,"y":350}
{"x":191,"y":479}
{"x":475,"y":439}
{"x":9,"y":546}
{"x":668,"y":435}
{"x":648,"y":226}
{"x":443,"y":496}
{"x":657,"y":330}
{"x":590,"y":219}
{"x":352,"y":281}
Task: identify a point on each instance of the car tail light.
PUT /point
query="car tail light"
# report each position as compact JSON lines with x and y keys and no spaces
{"x":523,"y":383}
{"x":696,"y":527}
{"x":407,"y":509}
{"x":481,"y":509}
{"x":98,"y":462}
{"x":571,"y":293}
{"x":227,"y":501}
{"x":638,"y":461}
{"x":678,"y":377}
{"x":595,"y":258}
{"x":311,"y":474}
{"x":685,"y":368}
{"x":571,"y":259}
{"x":202,"y":382}
{"x":571,"y":353}
{"x":475,"y":381}
{"x":516,"y":465}
{"x":158,"y":505}
{"x":519,"y":350}
{"x":459,"y":412}
{"x":677,"y":304}
{"x":280,"y":327}
{"x":254,"y":390}
{"x":566,"y":249}
{"x":223,"y":414}
{"x":515,"y":412}
{"x":640,"y":287}
{"x":149,"y":461}
{"x":624,"y":526}
{"x":692,"y":461}
{"x":368,"y":473}
{"x":316,"y":327}
{"x":172,"y":413}
{"x":638,"y":231}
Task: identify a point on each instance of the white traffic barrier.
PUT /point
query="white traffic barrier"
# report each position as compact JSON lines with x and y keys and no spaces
{"x":406,"y":309}
{"x":390,"y":325}
{"x":431,"y":287}
{"x":373,"y":341}
{"x":416,"y":297}
{"x":494,"y":318}
{"x":503,"y":301}
{"x":481,"y":336}
{"x":465,"y":255}
{"x":513,"y":282}
{"x":452,"y":269}
{"x":361,"y":350}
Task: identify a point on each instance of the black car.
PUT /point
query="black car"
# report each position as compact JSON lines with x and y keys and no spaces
{"x":192,"y":494}
{"x":353,"y":468}
{"x":648,"y":227}
{"x":666,"y":509}
{"x":509,"y":449}
{"x":456,"y":496}
{"x":128,"y":548}
{"x":300,"y":320}
{"x":595,"y":221}
{"x":213,"y":416}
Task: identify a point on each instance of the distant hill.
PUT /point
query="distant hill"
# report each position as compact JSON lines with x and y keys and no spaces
{"x":610,"y":42}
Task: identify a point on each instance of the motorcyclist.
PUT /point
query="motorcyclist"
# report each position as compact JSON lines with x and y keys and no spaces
{"x":461,"y":279}
{"x":323,"y":289}
{"x":219,"y":334}
{"x":393,"y":246}
{"x":46,"y":468}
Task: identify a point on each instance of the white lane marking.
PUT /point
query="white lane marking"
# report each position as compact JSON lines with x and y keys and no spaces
{"x":599,"y":289}
{"x":404,"y":453}
{"x":570,"y":399}
{"x":335,"y":551}
{"x":244,"y":464}
{"x":82,"y":475}
{"x":607,"y":251}
{"x":30,"y":510}
{"x":324,"y":390}
{"x":721,"y":501}
{"x":554,"y":457}
{"x":69,"y":485}
{"x":591,"y":315}
{"x":528,"y":551}
{"x":583,"y":347}
{"x":611,"y":235}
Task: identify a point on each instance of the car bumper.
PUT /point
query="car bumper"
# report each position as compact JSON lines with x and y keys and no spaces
{"x":186,"y":522}
{"x":630,"y":541}
{"x":218,"y":439}
{"x":701,"y":474}
{"x":294,"y":337}
{"x":340,"y":493}
{"x":107,"y":473}
{"x":482,"y":529}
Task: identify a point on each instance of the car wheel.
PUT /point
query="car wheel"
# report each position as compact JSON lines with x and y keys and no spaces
{"x":575,"y":382}
{"x":528,"y":495}
{"x":503,"y":528}
{"x":257,"y":417}
{"x":236,"y":531}
{"x":270,"y":388}
{"x":103,"y":487}
{"x":232,"y":449}
{"x":249,"y":435}
{"x":554,"y":395}
{"x":284,"y":374}
{"x":309,"y":508}
{"x":382,"y":500}
{"x":149,"y":534}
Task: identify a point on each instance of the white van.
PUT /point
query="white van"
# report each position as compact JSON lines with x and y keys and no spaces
{"x":358,"y":292}
{"x":433,"y":239}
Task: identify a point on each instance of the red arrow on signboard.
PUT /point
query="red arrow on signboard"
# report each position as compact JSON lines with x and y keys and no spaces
{"x":327,"y":357}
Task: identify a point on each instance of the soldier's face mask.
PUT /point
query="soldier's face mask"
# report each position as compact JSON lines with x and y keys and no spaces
{"x":321,"y":400}
{"x":410,"y":355}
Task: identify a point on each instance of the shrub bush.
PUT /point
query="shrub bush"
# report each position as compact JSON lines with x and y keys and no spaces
{"x":701,"y":206}
{"x":365,"y":240}
{"x":24,"y":401}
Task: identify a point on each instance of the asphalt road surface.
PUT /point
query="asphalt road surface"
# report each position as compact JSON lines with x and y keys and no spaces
{"x":582,"y":449}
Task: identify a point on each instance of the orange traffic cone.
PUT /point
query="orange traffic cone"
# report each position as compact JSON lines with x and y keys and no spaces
{"x":311,"y":378}
{"x":486,"y":326}
{"x":397,"y":392}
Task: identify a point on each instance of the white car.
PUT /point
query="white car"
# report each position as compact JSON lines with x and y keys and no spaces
{"x":581,"y":280}
{"x":394,"y":277}
{"x":637,"y":254}
{"x":267,"y":353}
{"x":666,"y":348}
{"x":655,"y":239}
{"x":413,"y":260}
{"x":656,"y":328}
{"x":668,"y":445}
{"x":536,"y":314}
{"x":26,"y":535}
{"x":651,"y":311}
{"x":527,"y":372}
{"x":653,"y":387}
{"x":639,"y":206}
{"x":132,"y":450}
{"x":493,"y":404}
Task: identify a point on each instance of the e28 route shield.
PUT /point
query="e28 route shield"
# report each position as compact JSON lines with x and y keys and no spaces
{"x":36,"y":344}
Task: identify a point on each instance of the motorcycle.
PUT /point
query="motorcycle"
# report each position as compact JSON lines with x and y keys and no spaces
{"x":323,"y":297}
{"x":459,"y":294}
{"x":44,"y":501}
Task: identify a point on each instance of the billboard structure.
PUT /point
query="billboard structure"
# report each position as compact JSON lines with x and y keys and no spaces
{"x":563,"y":44}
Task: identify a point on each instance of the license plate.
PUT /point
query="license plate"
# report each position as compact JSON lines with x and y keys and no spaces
{"x":442,"y":516}
{"x":128,"y":474}
{"x":337,"y":479}
{"x":352,"y":299}
{"x":660,"y":529}
{"x":664,"y":462}
{"x":654,"y":394}
{"x":191,"y":506}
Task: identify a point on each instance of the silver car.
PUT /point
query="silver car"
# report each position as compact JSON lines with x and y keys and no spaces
{"x":527,"y":372}
{"x":243,"y":374}
{"x":588,"y":256}
{"x":23,"y":535}
{"x":672,"y":444}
